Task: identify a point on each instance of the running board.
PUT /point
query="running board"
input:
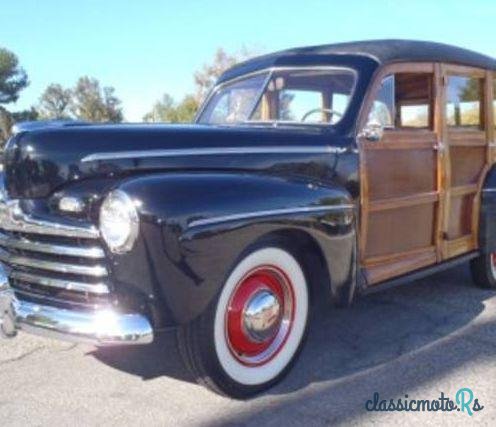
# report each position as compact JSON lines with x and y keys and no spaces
{"x":418,"y":274}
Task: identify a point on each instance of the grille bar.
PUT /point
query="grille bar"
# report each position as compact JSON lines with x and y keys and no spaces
{"x":78,"y":251}
{"x":86,"y":270}
{"x":12,"y":218}
{"x":68,"y":285}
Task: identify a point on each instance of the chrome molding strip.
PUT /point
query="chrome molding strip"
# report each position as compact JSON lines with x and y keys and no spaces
{"x":268,"y":213}
{"x":28,"y":245}
{"x":215,"y":151}
{"x":94,"y":271}
{"x":68,"y":285}
{"x":12,"y":218}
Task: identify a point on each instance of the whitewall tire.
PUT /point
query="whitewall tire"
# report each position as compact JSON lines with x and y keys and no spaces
{"x":252,"y":333}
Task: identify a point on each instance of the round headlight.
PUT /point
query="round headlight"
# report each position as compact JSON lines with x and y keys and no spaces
{"x":119,"y":222}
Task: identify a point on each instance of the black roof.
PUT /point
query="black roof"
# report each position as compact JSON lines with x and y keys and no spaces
{"x":380,"y":51}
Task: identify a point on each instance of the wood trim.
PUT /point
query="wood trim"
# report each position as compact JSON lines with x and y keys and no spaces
{"x":460,"y":246}
{"x":364,"y":204}
{"x":383,"y":259}
{"x":464,"y":190}
{"x":440,"y":131}
{"x":490,"y":131}
{"x":400,"y":145}
{"x":441,"y":138}
{"x":463,"y":70}
{"x":403,"y":202}
{"x":445,"y":165}
{"x":404,"y":67}
{"x":459,"y":137}
{"x":401,"y":265}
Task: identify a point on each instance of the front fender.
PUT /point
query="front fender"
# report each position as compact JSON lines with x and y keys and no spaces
{"x":195,"y":226}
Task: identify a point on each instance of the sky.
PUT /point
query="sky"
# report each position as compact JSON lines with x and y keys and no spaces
{"x":148,"y":47}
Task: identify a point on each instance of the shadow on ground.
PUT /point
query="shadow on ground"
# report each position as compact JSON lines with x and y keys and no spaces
{"x":388,"y":342}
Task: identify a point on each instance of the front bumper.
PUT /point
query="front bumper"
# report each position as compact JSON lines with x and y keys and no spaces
{"x":102,"y":328}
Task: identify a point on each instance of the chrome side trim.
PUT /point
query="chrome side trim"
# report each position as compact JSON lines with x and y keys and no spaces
{"x":12,"y":218}
{"x":274,"y":212}
{"x":215,"y":151}
{"x":47,"y":248}
{"x":68,"y":285}
{"x":94,"y":271}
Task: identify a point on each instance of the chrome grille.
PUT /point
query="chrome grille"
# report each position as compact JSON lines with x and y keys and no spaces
{"x":59,"y":263}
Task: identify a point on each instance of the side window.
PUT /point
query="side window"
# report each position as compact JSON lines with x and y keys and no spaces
{"x":465,"y":98}
{"x":382,"y":111}
{"x":404,"y":101}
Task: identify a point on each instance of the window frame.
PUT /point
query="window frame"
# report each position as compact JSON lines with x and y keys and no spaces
{"x":482,"y":101}
{"x":392,"y":69}
{"x":471,"y":72}
{"x":397,"y":105}
{"x":270,"y":72}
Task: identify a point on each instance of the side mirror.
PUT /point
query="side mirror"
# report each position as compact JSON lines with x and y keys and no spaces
{"x":372,"y":132}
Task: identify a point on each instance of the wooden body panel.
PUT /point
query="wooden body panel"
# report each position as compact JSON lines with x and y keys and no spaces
{"x":420,"y":188}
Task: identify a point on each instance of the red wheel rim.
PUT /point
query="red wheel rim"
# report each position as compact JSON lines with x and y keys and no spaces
{"x":260,"y":315}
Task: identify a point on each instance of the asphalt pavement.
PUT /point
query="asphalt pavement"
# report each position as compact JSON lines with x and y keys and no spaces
{"x":433,"y":336}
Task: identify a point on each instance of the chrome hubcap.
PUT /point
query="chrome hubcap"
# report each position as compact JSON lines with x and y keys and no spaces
{"x":262,"y":316}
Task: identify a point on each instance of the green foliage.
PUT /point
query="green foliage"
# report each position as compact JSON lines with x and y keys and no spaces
{"x":55,"y":103}
{"x":206,"y":77}
{"x":90,"y":102}
{"x":167,"y":110}
{"x":12,"y":77}
{"x":12,"y":80}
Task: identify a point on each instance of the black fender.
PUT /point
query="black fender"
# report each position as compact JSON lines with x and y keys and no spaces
{"x":487,"y":220}
{"x":194,"y":226}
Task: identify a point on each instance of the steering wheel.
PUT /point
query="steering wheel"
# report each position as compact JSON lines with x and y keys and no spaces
{"x":321,"y":110}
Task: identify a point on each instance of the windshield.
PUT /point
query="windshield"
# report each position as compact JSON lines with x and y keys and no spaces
{"x":318,"y":96}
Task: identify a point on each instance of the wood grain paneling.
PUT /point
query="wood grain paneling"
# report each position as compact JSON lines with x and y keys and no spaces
{"x":421,"y":189}
{"x":400,"y":230}
{"x":460,"y":222}
{"x":467,"y":164}
{"x":396,"y":173}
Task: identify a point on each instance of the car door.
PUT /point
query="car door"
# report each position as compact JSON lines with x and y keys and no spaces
{"x":401,"y":173}
{"x":467,"y":98}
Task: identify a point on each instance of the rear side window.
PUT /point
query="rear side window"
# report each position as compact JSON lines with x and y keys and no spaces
{"x":464,"y":102}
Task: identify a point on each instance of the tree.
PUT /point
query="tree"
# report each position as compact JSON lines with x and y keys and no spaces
{"x":6,"y":122}
{"x":55,"y":102}
{"x":12,"y":77}
{"x":91,"y":103}
{"x":163,"y":110}
{"x":186,"y":110}
{"x":206,"y":77}
{"x":167,"y":110}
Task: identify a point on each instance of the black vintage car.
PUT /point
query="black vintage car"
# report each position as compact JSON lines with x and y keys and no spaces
{"x":313,"y":174}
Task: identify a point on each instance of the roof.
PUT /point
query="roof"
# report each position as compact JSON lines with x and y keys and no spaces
{"x":380,"y":51}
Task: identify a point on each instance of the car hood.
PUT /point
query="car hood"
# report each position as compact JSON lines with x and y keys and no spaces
{"x":40,"y":161}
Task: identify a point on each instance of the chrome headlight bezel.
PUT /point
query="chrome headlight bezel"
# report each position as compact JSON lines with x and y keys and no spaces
{"x":119,"y":210}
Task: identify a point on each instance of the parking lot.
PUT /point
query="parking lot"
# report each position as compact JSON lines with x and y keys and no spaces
{"x":435,"y":335}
